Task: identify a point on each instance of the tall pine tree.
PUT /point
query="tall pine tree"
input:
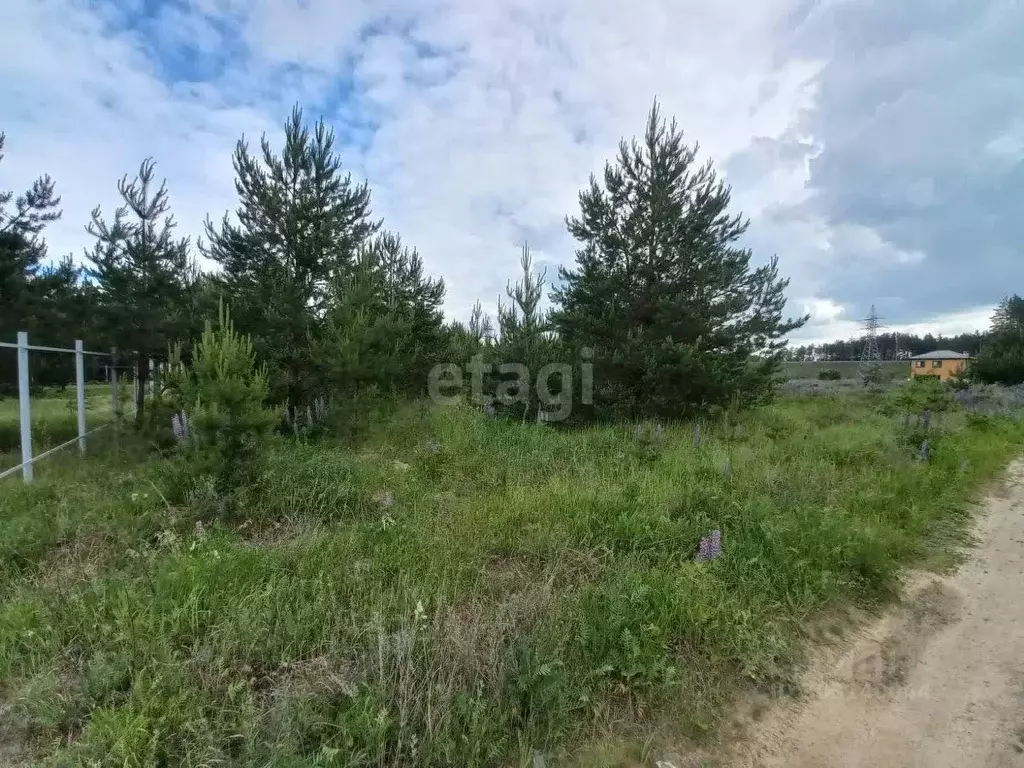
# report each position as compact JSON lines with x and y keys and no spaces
{"x":1001,"y":358}
{"x":662,"y":293}
{"x":143,"y":274}
{"x":300,"y":222}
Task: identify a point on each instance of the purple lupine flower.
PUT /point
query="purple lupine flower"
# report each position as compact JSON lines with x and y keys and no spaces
{"x":716,"y":544}
{"x":924,"y":450}
{"x":710,"y":547}
{"x":704,"y":550}
{"x":180,"y":426}
{"x":926,"y":418}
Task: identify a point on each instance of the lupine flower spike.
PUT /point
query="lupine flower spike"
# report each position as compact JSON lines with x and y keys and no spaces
{"x":924,"y":450}
{"x":180,"y":426}
{"x":710,"y":547}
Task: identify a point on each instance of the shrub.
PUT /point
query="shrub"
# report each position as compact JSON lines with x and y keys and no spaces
{"x":829,"y":374}
{"x":223,"y":425}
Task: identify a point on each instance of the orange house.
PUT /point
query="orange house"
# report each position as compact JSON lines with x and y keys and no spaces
{"x":941,"y":364}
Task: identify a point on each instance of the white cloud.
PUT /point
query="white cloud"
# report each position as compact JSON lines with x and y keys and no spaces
{"x":475,"y":123}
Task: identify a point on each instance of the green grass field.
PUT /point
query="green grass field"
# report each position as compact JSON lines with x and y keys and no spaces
{"x":895,"y":369}
{"x":54,"y":420}
{"x":521,"y":589}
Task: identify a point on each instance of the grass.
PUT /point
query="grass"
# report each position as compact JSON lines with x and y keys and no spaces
{"x":895,"y":369}
{"x":521,"y":589}
{"x":54,"y":419}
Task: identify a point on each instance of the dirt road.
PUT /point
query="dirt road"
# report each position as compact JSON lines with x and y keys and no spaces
{"x":937,"y":683}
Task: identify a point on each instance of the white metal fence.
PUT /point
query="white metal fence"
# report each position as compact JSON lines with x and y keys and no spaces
{"x":25,"y":400}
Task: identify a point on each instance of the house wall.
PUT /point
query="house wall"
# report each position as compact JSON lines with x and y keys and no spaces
{"x":944,"y":369}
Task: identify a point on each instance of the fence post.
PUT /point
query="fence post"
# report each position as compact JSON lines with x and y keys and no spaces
{"x":25,"y":407}
{"x":113,"y":381}
{"x":80,"y":391}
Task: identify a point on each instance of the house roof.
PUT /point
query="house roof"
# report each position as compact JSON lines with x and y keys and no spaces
{"x":941,"y":354}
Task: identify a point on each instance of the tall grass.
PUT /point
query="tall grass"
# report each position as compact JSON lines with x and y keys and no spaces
{"x":456,"y":590}
{"x":54,"y":419}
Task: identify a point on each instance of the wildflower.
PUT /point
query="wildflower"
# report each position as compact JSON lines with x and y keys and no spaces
{"x":710,"y":547}
{"x":135,"y":497}
{"x":926,"y":418}
{"x":320,"y":409}
{"x":924,"y":450}
{"x":704,"y":550}
{"x":421,"y":614}
{"x":180,"y":426}
{"x":696,"y":434}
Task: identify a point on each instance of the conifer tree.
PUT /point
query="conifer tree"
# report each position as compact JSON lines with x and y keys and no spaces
{"x":662,"y":291}
{"x":143,"y":274}
{"x":26,"y":285}
{"x":300,"y":222}
{"x":524,"y":334}
{"x":1001,"y":358}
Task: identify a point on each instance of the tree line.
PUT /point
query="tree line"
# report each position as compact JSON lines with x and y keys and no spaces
{"x":891,"y":346}
{"x":662,"y":303}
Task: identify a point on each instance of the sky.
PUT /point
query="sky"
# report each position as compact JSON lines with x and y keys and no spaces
{"x":876,"y":147}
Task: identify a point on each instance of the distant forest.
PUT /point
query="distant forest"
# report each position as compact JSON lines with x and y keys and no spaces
{"x":891,"y":346}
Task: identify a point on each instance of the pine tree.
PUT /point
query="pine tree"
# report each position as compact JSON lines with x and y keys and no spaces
{"x":661,"y":290}
{"x":221,"y":398}
{"x":300,"y":223}
{"x":524,"y":333}
{"x":144,"y":275}
{"x":417,"y":300}
{"x":24,"y":301}
{"x":1001,"y":358}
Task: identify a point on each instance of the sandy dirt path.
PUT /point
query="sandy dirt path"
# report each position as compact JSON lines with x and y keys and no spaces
{"x":938,"y":682}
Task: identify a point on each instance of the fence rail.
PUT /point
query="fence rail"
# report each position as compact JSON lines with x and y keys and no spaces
{"x":25,"y":400}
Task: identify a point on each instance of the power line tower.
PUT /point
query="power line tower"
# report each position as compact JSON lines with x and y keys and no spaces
{"x":870,"y":369}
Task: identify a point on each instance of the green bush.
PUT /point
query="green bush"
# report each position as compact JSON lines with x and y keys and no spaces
{"x":222,"y":426}
{"x":829,"y":374}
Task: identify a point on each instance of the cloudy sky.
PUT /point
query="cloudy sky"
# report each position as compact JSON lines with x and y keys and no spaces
{"x":876,"y":146}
